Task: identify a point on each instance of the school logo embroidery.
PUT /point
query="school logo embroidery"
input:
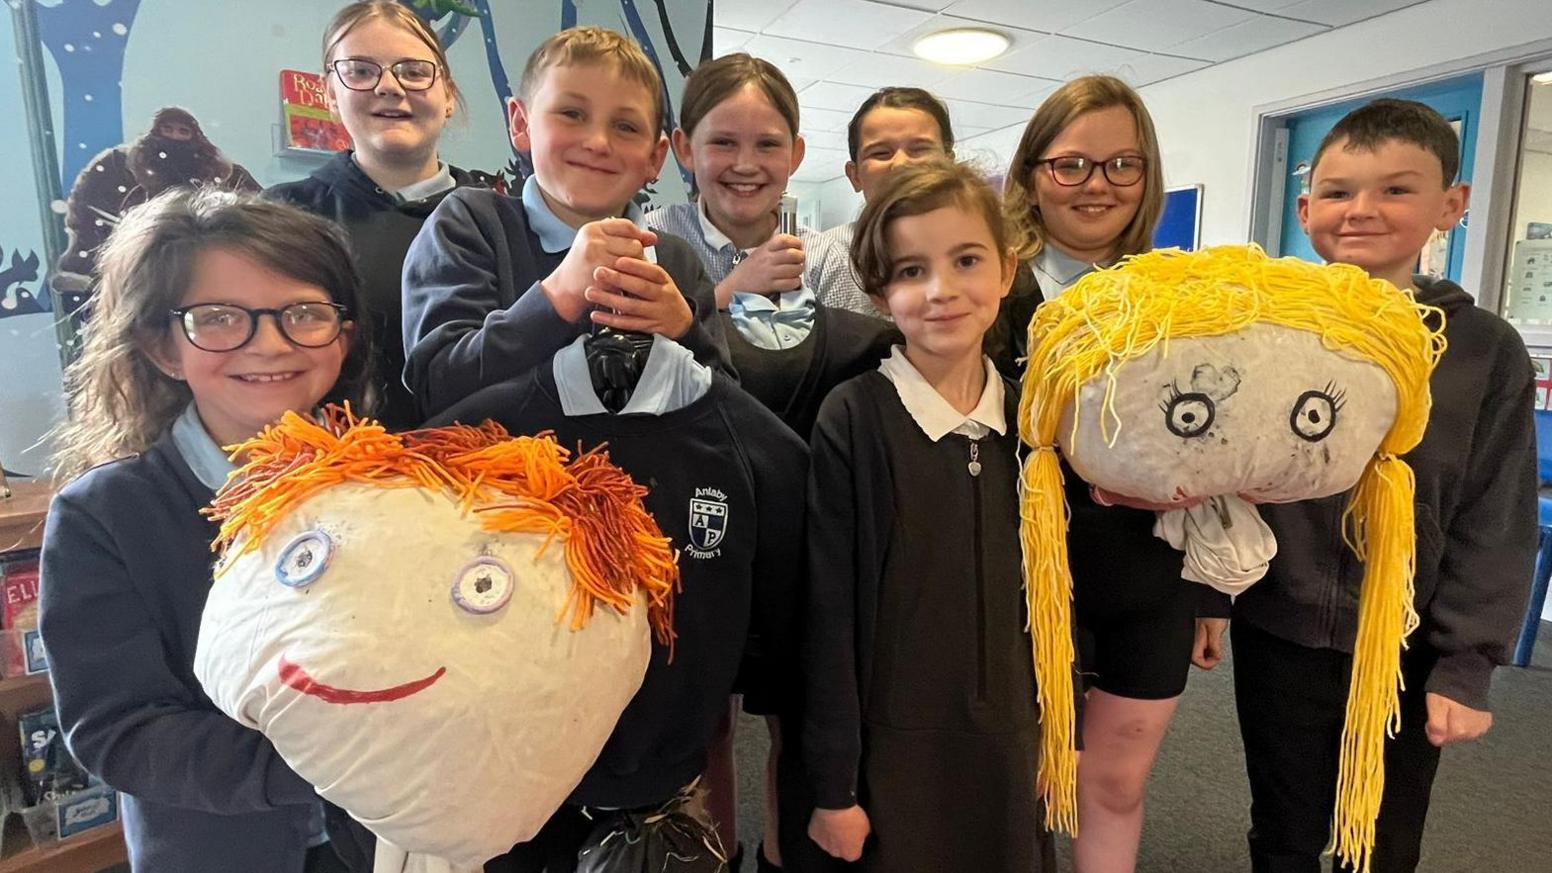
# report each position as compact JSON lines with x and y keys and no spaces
{"x":708,"y":523}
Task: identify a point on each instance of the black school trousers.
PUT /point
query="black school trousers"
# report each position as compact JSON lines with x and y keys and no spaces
{"x":1292,"y":702}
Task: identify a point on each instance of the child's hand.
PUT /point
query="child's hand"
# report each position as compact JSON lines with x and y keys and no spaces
{"x":598,"y":244}
{"x":775,"y":266}
{"x":1207,"y":650}
{"x":840,"y":832}
{"x":639,"y":295}
{"x":1451,"y":722}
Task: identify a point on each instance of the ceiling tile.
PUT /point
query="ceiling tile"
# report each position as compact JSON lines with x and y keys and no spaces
{"x":1340,"y":12}
{"x":991,"y":86}
{"x":1265,"y":5}
{"x":803,"y":60}
{"x":1157,"y":24}
{"x":1257,"y":34}
{"x":824,"y":140}
{"x":726,"y":40}
{"x":820,"y":165}
{"x":940,"y":5}
{"x":966,"y":115}
{"x":834,"y":95}
{"x":825,"y":120}
{"x":748,"y":14}
{"x":880,"y":69}
{"x":853,"y":23}
{"x":1154,"y":68}
{"x":1060,"y":57}
{"x":1046,"y":15}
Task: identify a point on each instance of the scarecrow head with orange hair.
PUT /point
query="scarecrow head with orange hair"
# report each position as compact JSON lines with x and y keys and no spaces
{"x":438,"y":629}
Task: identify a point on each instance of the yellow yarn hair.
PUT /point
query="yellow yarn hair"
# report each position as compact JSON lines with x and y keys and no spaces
{"x":1121,"y":313}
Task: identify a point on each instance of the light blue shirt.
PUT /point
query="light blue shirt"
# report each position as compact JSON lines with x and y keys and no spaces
{"x":775,"y":322}
{"x":778,"y":322}
{"x":845,"y":292}
{"x":441,"y":181}
{"x":200,"y":451}
{"x":556,"y":235}
{"x":1056,"y":271}
{"x":671,"y":380}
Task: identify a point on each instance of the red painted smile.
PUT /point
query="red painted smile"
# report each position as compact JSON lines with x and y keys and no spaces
{"x":297,"y":678}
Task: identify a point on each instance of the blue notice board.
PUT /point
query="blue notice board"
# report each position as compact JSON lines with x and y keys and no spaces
{"x":1181,"y":224}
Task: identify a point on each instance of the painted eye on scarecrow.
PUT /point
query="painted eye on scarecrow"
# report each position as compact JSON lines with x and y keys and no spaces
{"x":1188,"y":414}
{"x":483,"y":586}
{"x":1314,"y":414}
{"x":304,"y":559}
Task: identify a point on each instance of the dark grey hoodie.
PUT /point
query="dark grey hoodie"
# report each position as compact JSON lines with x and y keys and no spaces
{"x":1476,"y":517}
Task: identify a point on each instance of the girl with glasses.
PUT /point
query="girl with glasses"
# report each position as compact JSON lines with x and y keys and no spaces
{"x":1084,"y":190}
{"x":215,"y":314}
{"x":386,"y":78}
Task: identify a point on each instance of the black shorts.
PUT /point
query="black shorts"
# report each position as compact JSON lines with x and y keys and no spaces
{"x":1142,"y":653}
{"x":1135,"y":615}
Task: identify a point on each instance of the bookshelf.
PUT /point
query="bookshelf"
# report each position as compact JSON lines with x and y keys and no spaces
{"x":21,"y":528}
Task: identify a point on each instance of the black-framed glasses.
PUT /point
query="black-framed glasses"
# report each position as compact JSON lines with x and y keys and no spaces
{"x":360,"y":74}
{"x":227,"y":327}
{"x":1070,"y":171}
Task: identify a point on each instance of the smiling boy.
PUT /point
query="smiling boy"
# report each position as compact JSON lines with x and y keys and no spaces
{"x":1383,"y":183}
{"x":495,"y":285}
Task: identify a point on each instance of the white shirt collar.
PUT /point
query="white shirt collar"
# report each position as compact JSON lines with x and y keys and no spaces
{"x":715,"y":239}
{"x":1056,"y":271}
{"x":671,"y":380}
{"x":937,"y":417}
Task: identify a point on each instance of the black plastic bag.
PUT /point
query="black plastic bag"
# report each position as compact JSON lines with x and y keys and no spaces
{"x":677,"y":837}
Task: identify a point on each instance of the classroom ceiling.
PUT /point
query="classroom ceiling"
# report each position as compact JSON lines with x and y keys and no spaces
{"x":836,"y":52}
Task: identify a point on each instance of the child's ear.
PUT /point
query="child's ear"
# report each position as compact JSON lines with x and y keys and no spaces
{"x":347,"y":336}
{"x":1304,"y":200}
{"x":659,"y":154}
{"x":1010,"y":265}
{"x":163,"y":356}
{"x":1456,"y":200}
{"x":799,"y":149}
{"x":681,"y":143}
{"x":852,"y":177}
{"x":517,"y":125}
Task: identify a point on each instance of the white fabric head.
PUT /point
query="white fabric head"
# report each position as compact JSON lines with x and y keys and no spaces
{"x":1267,"y":413}
{"x":415,"y":668}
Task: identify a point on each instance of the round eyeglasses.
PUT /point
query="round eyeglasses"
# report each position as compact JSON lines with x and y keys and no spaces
{"x":226,"y":327}
{"x":1070,"y":171}
{"x":360,"y":74}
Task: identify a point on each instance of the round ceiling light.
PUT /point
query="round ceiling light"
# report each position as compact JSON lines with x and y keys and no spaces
{"x":961,"y":46}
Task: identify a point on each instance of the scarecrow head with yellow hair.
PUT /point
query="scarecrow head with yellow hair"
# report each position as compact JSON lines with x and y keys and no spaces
{"x":438,"y":629}
{"x":1200,"y":384}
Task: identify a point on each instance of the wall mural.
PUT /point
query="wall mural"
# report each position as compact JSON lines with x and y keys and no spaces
{"x":104,"y":174}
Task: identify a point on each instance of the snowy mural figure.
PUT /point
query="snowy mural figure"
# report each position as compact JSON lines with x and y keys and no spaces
{"x":460,"y":615}
{"x":1200,"y":384}
{"x":175,"y":151}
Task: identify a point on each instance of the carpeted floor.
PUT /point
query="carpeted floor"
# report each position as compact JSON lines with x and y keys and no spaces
{"x":1492,"y":802}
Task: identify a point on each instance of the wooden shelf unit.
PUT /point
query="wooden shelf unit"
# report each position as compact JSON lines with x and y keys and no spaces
{"x":21,"y":528}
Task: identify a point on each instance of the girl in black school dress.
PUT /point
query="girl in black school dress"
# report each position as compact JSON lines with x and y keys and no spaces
{"x":921,"y":730}
{"x":387,"y":79}
{"x":1085,"y":189}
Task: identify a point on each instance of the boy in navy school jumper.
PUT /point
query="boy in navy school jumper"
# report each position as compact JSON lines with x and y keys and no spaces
{"x":1382,"y":183}
{"x":495,"y":285}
